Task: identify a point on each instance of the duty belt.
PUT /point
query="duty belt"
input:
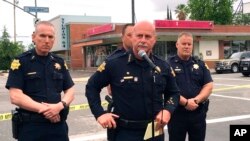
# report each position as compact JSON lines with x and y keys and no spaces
{"x":30,"y":117}
{"x":132,"y":124}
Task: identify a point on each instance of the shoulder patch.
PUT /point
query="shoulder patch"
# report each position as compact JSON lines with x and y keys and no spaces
{"x":206,"y":66}
{"x":25,"y":54}
{"x":65,"y":65}
{"x":15,"y":64}
{"x":101,"y":67}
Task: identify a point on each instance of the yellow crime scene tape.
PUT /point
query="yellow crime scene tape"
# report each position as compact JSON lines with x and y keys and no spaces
{"x":8,"y":116}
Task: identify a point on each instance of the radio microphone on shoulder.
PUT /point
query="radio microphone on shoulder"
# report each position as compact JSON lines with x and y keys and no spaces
{"x":144,"y":55}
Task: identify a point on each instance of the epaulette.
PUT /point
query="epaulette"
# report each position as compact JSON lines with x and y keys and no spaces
{"x":170,"y":58}
{"x":59,"y":60}
{"x":29,"y":52}
{"x":117,"y":55}
{"x":157,"y":57}
{"x":114,"y":52}
{"x":55,"y":55}
{"x":196,"y":58}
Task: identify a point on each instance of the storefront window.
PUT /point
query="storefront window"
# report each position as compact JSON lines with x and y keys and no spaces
{"x":95,"y":55}
{"x":164,"y":49}
{"x":231,"y":47}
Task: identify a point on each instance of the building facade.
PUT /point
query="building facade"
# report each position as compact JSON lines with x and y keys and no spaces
{"x":70,"y":29}
{"x":211,"y":42}
{"x":85,"y":41}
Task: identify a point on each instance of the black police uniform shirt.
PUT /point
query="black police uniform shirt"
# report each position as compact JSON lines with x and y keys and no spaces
{"x":42,"y":78}
{"x":115,"y":53}
{"x":191,"y":75}
{"x":132,"y":90}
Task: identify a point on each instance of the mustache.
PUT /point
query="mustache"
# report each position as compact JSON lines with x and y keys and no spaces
{"x":142,"y":45}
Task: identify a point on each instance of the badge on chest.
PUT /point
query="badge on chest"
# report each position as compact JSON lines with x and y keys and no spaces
{"x":129,"y":78}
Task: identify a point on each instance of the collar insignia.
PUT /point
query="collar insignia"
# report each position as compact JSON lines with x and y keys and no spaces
{"x":57,"y":66}
{"x":129,"y":58}
{"x":196,"y":66}
{"x":15,"y":64}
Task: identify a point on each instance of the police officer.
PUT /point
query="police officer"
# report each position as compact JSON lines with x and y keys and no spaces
{"x":194,"y":80}
{"x":126,"y":45}
{"x":137,"y":98}
{"x":36,"y":80}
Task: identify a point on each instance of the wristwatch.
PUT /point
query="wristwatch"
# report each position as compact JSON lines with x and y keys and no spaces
{"x":64,"y":104}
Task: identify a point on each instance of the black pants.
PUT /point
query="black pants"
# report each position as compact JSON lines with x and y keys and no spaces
{"x":191,"y":123}
{"x":123,"y":134}
{"x":43,"y":131}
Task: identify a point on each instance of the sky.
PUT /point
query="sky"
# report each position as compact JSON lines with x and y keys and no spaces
{"x":119,"y":10}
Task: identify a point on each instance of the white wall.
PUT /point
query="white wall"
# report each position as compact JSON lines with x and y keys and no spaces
{"x":209,"y":49}
{"x":61,"y":21}
{"x":246,"y":8}
{"x":57,"y":44}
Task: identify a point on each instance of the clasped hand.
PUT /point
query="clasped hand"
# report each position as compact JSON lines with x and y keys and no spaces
{"x":51,"y":111}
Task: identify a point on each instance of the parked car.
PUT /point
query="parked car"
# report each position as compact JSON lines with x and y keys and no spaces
{"x":231,"y":63}
{"x":245,"y":64}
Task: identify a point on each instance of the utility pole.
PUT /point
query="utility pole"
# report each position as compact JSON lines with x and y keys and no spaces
{"x":15,"y":2}
{"x":36,"y":6}
{"x":133,"y":11}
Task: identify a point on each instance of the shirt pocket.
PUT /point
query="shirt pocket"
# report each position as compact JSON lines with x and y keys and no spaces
{"x":33,"y":82}
{"x":58,"y":81}
{"x":196,"y":79}
{"x":129,"y":87}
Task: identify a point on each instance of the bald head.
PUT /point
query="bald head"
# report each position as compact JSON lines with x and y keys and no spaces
{"x":145,"y":25}
{"x":143,"y":38}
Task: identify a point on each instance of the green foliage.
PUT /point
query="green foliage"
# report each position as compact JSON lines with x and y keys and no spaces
{"x":8,"y":50}
{"x":241,"y":19}
{"x":182,"y":11}
{"x":219,"y":11}
{"x":31,"y":46}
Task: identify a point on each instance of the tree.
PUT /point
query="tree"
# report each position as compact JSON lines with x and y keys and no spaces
{"x":219,"y":11}
{"x":241,"y":19}
{"x":181,"y":11}
{"x":223,"y":11}
{"x":31,"y":46}
{"x":169,"y":14}
{"x":8,"y":50}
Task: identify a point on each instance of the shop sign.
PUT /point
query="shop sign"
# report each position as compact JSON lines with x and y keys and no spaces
{"x":101,"y":29}
{"x":63,"y":27}
{"x":181,"y":24}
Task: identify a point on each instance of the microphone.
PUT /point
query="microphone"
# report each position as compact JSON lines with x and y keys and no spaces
{"x":144,"y":55}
